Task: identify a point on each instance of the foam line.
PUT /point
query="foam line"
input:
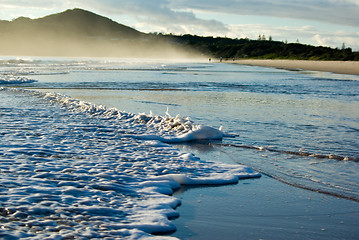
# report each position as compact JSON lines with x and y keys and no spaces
{"x":283,"y":180}
{"x":64,"y":157}
{"x":299,"y":153}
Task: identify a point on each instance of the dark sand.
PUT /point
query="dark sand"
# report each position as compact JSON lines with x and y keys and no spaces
{"x":264,"y":209}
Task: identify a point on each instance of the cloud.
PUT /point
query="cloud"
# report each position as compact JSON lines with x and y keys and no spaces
{"x":337,"y":39}
{"x":305,"y":34}
{"x":181,"y":13}
{"x":182,"y":16}
{"x":343,"y":12}
{"x":156,"y":14}
{"x":13,"y":9}
{"x":35,"y":5}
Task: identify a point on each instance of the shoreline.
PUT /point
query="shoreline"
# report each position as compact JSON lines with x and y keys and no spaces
{"x":340,"y":67}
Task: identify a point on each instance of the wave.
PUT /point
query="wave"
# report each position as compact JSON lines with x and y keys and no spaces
{"x":11,"y":79}
{"x":17,"y":61}
{"x":296,"y":153}
{"x":307,"y":180}
{"x":96,"y":165}
{"x":101,"y":64}
{"x":167,"y":129}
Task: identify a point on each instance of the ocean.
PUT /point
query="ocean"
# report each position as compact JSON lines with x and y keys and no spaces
{"x":96,"y":147}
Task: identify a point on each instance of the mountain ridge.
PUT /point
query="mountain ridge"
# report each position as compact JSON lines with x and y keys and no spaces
{"x":78,"y":32}
{"x":78,"y":21}
{"x":94,"y":23}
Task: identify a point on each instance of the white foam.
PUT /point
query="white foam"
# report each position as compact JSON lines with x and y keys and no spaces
{"x":80,"y":170}
{"x":166,"y":129}
{"x":11,"y":79}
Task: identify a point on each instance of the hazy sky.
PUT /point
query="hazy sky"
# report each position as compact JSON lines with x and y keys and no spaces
{"x":317,"y":22}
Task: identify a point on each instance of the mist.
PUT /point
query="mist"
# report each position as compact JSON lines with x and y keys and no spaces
{"x":38,"y":43}
{"x":62,"y":46}
{"x":79,"y":33}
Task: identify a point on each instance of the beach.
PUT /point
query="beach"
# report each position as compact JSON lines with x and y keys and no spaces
{"x":105,"y":142}
{"x":341,"y":67}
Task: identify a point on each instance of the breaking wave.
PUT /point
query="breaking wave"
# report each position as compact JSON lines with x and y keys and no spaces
{"x":10,"y":79}
{"x":97,"y":172}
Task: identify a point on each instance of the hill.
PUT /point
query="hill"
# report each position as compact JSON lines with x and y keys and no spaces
{"x":80,"y":23}
{"x":78,"y":32}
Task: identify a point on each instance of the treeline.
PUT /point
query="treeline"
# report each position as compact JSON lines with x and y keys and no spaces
{"x":263,"y":49}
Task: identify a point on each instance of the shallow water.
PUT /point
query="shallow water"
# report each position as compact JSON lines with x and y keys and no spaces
{"x":299,"y":127}
{"x":72,"y":170}
{"x":282,"y":212}
{"x":293,"y":111}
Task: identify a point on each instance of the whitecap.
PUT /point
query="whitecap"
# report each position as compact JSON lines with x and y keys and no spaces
{"x":10,"y":79}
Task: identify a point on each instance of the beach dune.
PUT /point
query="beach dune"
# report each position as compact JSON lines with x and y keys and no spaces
{"x":342,"y":67}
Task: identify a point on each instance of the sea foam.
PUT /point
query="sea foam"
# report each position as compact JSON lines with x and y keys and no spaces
{"x":72,"y":169}
{"x":11,"y":79}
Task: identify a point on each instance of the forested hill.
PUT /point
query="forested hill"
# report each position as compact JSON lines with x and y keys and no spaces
{"x":75,"y":22}
{"x":78,"y":32}
{"x":263,"y":49}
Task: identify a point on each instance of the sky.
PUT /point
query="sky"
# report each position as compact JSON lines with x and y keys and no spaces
{"x":316,"y":22}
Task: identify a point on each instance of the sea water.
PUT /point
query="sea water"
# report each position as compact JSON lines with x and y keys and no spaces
{"x":94,"y":147}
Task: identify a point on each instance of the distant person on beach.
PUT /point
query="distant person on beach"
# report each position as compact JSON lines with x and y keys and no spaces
{"x":220,"y":59}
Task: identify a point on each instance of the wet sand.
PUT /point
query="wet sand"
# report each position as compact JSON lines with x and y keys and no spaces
{"x":342,"y":67}
{"x":264,"y":209}
{"x":261,"y":208}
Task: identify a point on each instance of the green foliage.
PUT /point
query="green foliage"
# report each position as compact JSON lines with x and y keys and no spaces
{"x":245,"y":48}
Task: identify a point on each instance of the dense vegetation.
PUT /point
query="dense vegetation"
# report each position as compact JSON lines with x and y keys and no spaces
{"x":263,"y":49}
{"x":78,"y":32}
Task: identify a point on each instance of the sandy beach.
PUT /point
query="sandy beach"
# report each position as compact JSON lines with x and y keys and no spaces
{"x":341,"y":67}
